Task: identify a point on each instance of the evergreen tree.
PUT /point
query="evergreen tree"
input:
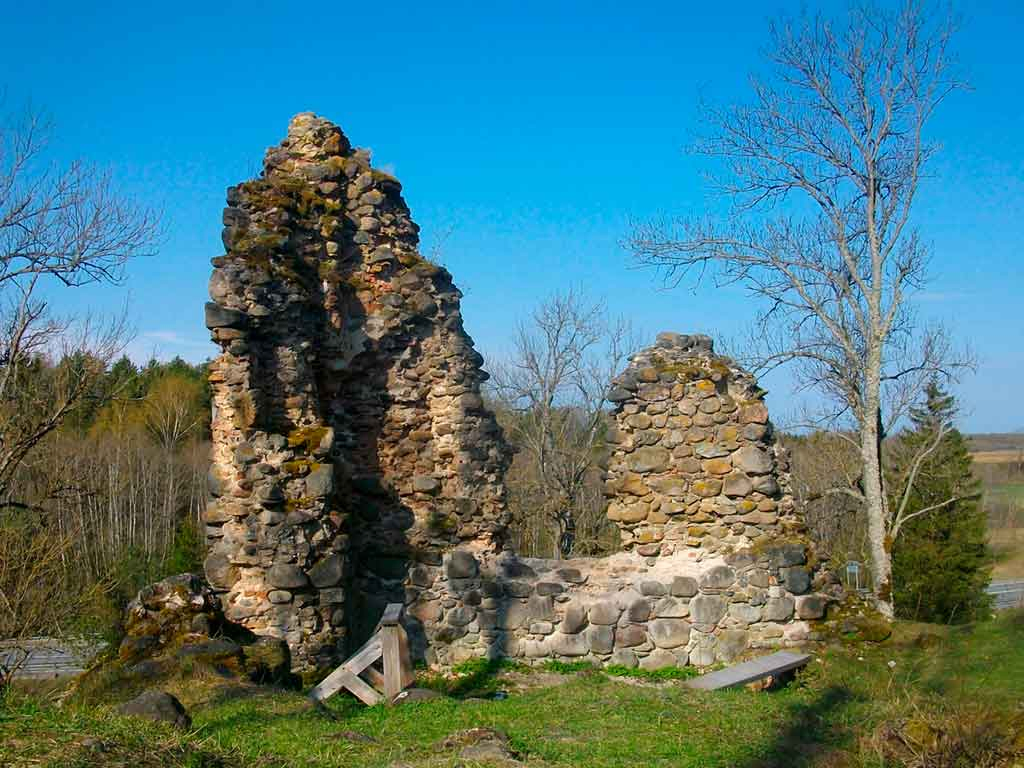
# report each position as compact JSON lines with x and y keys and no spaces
{"x":941,"y":561}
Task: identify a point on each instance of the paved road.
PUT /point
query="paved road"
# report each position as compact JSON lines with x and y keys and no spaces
{"x":1007,"y":594}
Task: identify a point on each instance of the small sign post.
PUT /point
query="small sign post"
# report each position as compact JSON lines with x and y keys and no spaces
{"x":853,"y":573}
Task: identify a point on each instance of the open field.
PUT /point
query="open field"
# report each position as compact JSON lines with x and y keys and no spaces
{"x":932,"y":696}
{"x":996,"y":441}
{"x":1008,"y":545}
{"x":996,"y":457}
{"x":999,"y":464}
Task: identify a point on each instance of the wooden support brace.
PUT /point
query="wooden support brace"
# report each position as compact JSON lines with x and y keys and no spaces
{"x":390,"y":644}
{"x":359,"y":661}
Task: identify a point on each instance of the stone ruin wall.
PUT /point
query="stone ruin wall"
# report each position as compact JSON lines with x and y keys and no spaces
{"x":354,"y":463}
{"x":350,"y":438}
{"x":715,"y":559}
{"x":693,"y":459}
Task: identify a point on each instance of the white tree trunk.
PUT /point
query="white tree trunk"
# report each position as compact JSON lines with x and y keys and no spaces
{"x":874,"y":491}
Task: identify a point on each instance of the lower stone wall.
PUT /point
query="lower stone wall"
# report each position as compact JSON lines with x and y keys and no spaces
{"x":686,"y":608}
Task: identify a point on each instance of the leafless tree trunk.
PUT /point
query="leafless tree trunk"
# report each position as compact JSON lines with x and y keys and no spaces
{"x":822,"y":170}
{"x":554,"y":385}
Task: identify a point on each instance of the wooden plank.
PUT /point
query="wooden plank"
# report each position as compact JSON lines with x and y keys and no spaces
{"x":749,"y":671}
{"x":405,"y":657}
{"x":365,"y":656}
{"x":362,"y":658}
{"x":359,"y":688}
{"x":374,"y":677}
{"x":392,"y":662}
{"x":391,"y":615}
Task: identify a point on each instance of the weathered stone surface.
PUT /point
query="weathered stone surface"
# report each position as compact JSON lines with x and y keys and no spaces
{"x":541,"y":607}
{"x":810,"y":606}
{"x":549,"y":588}
{"x":623,"y":657}
{"x":719,"y":577}
{"x":731,"y":643}
{"x":707,"y":609}
{"x":671,"y":608}
{"x":286,"y":576}
{"x":737,"y":485}
{"x":629,"y":636}
{"x":222,"y":317}
{"x":327,"y":572}
{"x":462,"y":565}
{"x":778,"y":609}
{"x":669,"y":633}
{"x":797,"y":580}
{"x":638,"y":610}
{"x":752,"y":460}
{"x":684,"y":586}
{"x":648,"y":459}
{"x":575,"y":618}
{"x":604,"y":612}
{"x":320,"y":482}
{"x":568,"y":645}
{"x":652,"y":588}
{"x":460,"y":616}
{"x":745,"y":612}
{"x":601,"y":638}
{"x":158,"y":706}
{"x":786,"y":555}
{"x":658,"y":659}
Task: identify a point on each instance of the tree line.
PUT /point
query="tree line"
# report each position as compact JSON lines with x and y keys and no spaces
{"x":107,"y":502}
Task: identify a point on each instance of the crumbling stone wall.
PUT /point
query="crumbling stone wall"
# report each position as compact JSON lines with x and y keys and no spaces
{"x":714,"y":561}
{"x":354,"y":462}
{"x":694,"y":462}
{"x":350,"y":438}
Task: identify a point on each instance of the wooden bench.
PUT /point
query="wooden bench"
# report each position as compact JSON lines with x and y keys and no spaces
{"x":390,"y":645}
{"x":750,"y":671}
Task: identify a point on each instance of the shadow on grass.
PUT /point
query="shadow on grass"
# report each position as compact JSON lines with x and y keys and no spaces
{"x":474,"y":678}
{"x":811,"y":734}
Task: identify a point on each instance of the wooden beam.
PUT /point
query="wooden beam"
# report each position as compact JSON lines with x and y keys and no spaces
{"x":362,"y":658}
{"x":391,"y":615}
{"x":359,"y":688}
{"x":392,"y":661}
{"x":405,"y":658}
{"x":374,"y":677}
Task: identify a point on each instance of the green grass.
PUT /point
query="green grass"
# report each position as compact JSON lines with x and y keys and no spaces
{"x":957,"y":693}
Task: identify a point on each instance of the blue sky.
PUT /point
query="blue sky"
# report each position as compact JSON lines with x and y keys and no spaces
{"x":531,"y":132}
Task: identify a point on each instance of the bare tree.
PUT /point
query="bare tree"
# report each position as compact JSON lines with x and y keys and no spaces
{"x":821,"y":171}
{"x":59,"y":229}
{"x":554,"y":385}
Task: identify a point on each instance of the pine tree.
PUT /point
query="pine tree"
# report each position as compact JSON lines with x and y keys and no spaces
{"x":941,"y":561}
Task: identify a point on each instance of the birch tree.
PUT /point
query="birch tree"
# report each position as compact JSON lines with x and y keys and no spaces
{"x":820,"y":171}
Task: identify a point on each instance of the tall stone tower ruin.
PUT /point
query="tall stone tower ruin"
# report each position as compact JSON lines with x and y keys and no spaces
{"x":693,"y":461}
{"x":350,"y":438}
